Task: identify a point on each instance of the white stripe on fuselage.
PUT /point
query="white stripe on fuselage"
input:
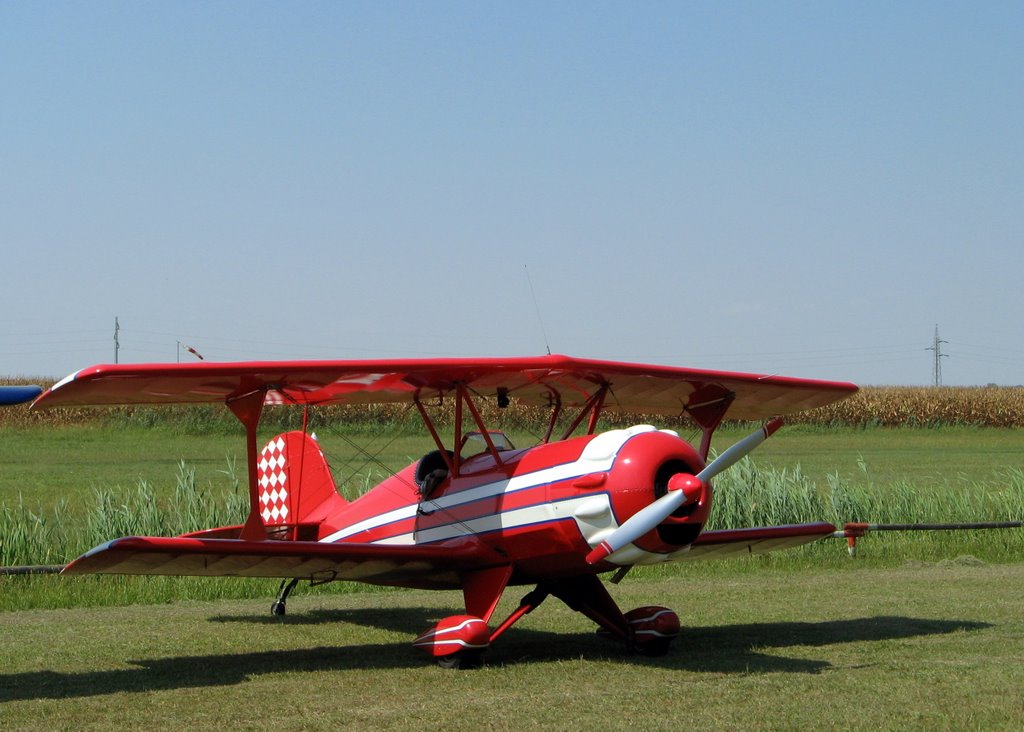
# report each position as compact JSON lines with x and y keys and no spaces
{"x":597,"y":456}
{"x":514,"y":518}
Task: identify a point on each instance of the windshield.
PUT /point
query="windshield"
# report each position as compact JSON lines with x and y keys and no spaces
{"x":474,"y":443}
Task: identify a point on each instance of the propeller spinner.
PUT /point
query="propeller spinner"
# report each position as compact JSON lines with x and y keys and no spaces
{"x":681,"y":488}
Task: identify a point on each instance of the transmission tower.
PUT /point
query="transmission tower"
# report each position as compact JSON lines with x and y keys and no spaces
{"x":939,"y":355}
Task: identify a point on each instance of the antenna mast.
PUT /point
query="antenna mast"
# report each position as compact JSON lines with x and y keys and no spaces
{"x":117,"y":345}
{"x":540,"y":320}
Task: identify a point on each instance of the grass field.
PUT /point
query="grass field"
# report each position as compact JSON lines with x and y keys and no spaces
{"x":44,"y":465}
{"x":912,"y":634}
{"x":937,"y":646}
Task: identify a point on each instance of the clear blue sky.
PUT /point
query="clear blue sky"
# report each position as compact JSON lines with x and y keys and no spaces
{"x":795,"y":188}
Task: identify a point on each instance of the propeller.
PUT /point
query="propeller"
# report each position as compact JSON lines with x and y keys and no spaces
{"x":681,"y":487}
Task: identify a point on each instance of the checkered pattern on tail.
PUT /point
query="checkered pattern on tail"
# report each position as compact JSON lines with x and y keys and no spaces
{"x":273,"y":480}
{"x":295,"y":483}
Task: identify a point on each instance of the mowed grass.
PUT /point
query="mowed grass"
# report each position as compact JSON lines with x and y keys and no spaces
{"x":918,"y":647}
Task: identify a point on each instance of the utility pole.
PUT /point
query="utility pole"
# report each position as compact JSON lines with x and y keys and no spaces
{"x":117,"y":345}
{"x":939,"y":355}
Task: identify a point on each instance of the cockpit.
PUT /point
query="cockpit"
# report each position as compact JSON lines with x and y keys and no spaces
{"x":434,"y":467}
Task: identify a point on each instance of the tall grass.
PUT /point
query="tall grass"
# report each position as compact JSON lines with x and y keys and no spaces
{"x":748,"y":495}
{"x":189,"y":509}
{"x":30,"y":536}
{"x":35,"y":536}
{"x":745,"y":495}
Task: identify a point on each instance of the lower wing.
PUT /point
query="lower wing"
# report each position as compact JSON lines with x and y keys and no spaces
{"x":733,"y":542}
{"x":426,"y":566}
{"x":737,"y":542}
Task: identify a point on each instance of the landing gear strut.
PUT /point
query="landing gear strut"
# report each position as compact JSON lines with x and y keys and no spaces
{"x":278,"y":608}
{"x":459,"y":641}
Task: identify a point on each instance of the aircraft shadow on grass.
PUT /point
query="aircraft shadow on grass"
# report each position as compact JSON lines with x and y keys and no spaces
{"x":714,"y":649}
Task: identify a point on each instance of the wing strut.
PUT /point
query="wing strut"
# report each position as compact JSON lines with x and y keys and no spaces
{"x":556,"y":410}
{"x":429,"y":423}
{"x":248,"y":409}
{"x":593,"y":407}
{"x":707,"y":407}
{"x":462,"y":397}
{"x":484,"y":432}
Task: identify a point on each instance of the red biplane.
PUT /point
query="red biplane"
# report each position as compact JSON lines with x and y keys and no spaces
{"x":476,"y":513}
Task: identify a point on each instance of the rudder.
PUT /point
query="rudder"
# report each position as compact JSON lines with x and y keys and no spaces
{"x":296,"y":490}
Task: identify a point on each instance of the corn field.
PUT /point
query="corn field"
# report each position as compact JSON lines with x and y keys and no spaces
{"x":896,"y":406}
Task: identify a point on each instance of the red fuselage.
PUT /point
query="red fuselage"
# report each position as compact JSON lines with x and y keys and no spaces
{"x":540,"y":509}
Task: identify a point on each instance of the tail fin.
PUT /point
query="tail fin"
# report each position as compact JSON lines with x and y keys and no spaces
{"x":296,"y":487}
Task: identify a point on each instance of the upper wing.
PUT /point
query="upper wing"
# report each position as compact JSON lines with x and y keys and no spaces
{"x":732,"y":542}
{"x":425,"y":566}
{"x":541,"y":380}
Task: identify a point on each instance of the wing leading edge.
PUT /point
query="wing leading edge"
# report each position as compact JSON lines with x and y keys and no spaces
{"x":428,"y":566}
{"x":636,"y":388}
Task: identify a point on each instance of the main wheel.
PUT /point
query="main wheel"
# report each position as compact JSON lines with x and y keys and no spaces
{"x":462,"y":660}
{"x":652,"y":630}
{"x":654,"y":648}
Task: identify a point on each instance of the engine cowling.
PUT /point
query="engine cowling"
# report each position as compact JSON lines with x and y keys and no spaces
{"x":646,"y":468}
{"x":616,"y":545}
